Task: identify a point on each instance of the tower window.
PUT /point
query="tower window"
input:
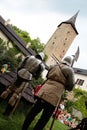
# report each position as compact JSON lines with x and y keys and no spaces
{"x":64,"y":44}
{"x":68,"y":32}
{"x":53,"y":42}
{"x":60,"y":56}
{"x":65,"y":38}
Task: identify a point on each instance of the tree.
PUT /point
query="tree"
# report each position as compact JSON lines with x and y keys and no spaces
{"x":7,"y":56}
{"x":37,"y":46}
{"x":23,"y":34}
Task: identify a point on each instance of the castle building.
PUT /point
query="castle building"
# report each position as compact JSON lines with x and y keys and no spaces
{"x":61,"y":40}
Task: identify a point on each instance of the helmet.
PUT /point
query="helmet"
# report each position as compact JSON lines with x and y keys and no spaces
{"x":40,"y":55}
{"x":67,"y":60}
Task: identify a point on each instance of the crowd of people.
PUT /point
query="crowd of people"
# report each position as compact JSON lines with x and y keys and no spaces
{"x":64,"y":116}
{"x":67,"y":119}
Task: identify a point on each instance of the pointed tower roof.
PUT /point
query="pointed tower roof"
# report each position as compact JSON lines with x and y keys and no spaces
{"x":71,"y":21}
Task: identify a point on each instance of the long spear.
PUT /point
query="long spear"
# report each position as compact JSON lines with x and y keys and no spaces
{"x":55,"y":112}
{"x":75,"y":58}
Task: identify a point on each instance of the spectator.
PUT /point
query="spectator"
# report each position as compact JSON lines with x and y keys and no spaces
{"x":62,"y":105}
{"x":5,"y":68}
{"x":72,"y":124}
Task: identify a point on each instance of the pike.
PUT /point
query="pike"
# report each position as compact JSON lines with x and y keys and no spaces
{"x":75,"y":58}
{"x":56,"y":59}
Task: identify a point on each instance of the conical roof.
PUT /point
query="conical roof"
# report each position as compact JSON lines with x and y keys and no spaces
{"x":71,"y":21}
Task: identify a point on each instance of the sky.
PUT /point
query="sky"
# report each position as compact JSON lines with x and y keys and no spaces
{"x":40,"y":18}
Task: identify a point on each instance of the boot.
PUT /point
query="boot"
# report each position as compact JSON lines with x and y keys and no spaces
{"x":8,"y":110}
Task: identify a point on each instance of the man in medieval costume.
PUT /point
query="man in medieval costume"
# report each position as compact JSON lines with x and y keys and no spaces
{"x":32,"y":66}
{"x":59,"y":78}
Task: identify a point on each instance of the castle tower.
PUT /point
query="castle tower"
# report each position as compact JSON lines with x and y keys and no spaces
{"x":61,"y":40}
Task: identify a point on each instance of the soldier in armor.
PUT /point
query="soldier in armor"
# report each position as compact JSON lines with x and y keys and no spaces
{"x":32,"y":66}
{"x":59,"y":78}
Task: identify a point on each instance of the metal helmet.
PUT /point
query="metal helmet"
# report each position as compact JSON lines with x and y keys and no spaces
{"x":40,"y":55}
{"x":67,"y":60}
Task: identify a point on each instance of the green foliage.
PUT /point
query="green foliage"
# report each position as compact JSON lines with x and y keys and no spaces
{"x":37,"y":46}
{"x":79,"y":92}
{"x":57,"y":125}
{"x":2,"y":47}
{"x":16,"y":49}
{"x":12,"y":61}
{"x":23,"y":34}
{"x":37,"y":82}
{"x":80,"y":105}
{"x":80,"y":97}
{"x":69,"y":106}
{"x":7,"y":56}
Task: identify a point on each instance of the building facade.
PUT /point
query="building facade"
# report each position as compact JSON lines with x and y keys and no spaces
{"x":7,"y":34}
{"x":81,"y":78}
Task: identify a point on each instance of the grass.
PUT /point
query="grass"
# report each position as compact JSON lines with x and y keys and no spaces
{"x":17,"y":121}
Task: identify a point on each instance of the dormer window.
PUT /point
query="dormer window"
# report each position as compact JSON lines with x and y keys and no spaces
{"x":79,"y":82}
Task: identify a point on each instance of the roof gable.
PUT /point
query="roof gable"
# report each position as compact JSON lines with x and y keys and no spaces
{"x":80,"y":71}
{"x":9,"y":32}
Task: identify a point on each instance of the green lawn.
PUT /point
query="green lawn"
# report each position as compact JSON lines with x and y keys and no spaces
{"x":17,"y":120}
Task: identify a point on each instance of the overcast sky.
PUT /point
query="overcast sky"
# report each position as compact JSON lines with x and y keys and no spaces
{"x":40,"y":18}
